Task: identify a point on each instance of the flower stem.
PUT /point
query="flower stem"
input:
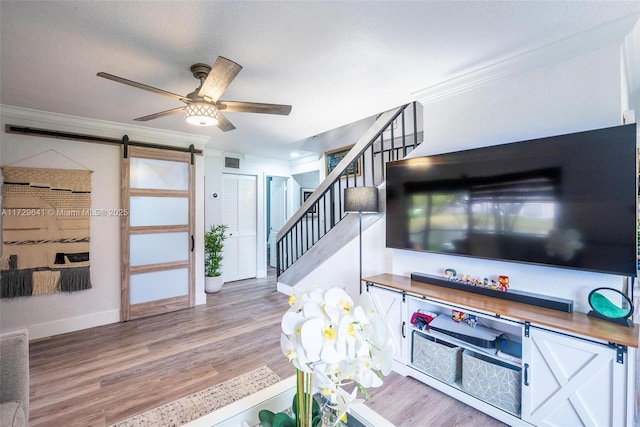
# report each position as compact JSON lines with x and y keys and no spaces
{"x":304,"y":398}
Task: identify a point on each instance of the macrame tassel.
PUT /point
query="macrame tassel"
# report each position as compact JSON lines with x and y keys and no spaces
{"x":75,"y":279}
{"x":16,"y":283}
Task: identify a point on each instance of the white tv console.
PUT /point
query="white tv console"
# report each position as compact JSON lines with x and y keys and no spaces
{"x":574,"y":370}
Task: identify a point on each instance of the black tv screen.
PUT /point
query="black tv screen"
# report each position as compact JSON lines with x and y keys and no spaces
{"x":565,"y":201}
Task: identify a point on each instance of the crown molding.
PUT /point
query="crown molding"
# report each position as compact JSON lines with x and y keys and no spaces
{"x":587,"y":41}
{"x":66,"y":123}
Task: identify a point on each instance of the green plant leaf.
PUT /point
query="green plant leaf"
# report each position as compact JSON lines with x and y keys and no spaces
{"x":266,"y":418}
{"x":283,"y":420}
{"x":213,"y":248}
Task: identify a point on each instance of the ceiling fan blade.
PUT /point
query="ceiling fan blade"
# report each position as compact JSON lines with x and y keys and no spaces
{"x":220,"y":77}
{"x":160,"y":114}
{"x":255,"y":107}
{"x":224,"y":124}
{"x":142,"y":86}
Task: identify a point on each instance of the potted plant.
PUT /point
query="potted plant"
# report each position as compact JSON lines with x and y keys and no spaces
{"x":213,"y":245}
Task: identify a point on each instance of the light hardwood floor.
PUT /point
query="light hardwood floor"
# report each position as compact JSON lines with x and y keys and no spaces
{"x":101,"y":375}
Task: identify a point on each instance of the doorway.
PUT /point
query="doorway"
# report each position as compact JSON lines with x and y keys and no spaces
{"x":277,"y":213}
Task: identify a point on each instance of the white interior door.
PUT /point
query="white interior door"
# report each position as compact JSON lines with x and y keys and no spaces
{"x":277,"y":213}
{"x":239,"y":213}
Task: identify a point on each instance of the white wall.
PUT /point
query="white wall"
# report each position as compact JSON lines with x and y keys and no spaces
{"x":46,"y":315}
{"x":581,"y":93}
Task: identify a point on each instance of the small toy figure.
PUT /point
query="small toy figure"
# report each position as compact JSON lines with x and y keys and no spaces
{"x":504,"y":283}
{"x":485,"y":282}
{"x":457,"y":316}
{"x":494,"y":285}
{"x":450,"y":273}
{"x":475,"y":281}
{"x":471,"y":320}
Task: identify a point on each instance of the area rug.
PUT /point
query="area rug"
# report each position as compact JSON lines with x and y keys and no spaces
{"x":198,"y":404}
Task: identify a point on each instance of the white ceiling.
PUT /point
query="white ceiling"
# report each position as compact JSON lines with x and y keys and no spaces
{"x":334,"y":62}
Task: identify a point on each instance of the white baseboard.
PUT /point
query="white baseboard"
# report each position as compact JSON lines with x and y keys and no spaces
{"x":400,"y":368}
{"x":43,"y":330}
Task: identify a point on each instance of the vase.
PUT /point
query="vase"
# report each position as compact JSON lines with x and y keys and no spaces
{"x":212,"y":284}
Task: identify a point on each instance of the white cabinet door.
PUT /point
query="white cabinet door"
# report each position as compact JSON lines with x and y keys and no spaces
{"x":571,"y":382}
{"x":390,"y":306}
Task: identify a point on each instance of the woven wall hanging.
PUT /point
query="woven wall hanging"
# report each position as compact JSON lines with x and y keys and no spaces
{"x":45,"y":231}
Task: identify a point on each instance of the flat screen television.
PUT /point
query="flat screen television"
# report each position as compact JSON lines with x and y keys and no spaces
{"x":565,"y":201}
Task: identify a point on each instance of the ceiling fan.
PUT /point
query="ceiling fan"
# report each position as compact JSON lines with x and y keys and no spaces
{"x":203,"y":106}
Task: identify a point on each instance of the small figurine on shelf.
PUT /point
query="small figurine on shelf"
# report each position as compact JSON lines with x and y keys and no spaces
{"x":471,"y":320}
{"x":504,"y":283}
{"x":458,"y":316}
{"x":494,"y":285}
{"x":450,"y":273}
{"x":485,"y":282}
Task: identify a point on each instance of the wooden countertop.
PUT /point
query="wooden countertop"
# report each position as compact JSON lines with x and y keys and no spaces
{"x":576,"y":323}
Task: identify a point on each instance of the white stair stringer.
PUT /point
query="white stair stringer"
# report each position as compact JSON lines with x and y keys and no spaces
{"x":326,"y":248}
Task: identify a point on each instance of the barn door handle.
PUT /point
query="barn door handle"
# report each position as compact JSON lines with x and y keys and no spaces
{"x":526,"y":374}
{"x":193,"y":243}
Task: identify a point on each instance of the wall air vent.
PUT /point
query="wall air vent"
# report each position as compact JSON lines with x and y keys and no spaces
{"x":231,"y":162}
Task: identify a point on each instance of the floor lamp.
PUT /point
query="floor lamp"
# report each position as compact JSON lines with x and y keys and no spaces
{"x":361,"y":200}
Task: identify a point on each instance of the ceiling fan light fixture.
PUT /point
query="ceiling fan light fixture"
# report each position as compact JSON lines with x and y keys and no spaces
{"x":201,"y":113}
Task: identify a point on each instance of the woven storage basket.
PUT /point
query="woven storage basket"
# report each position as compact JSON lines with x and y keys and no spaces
{"x":439,"y":359}
{"x":492,"y":381}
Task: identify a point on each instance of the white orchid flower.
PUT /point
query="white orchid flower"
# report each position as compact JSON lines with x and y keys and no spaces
{"x":365,"y":375}
{"x":312,"y":311}
{"x":294,"y":353}
{"x":367,"y":305}
{"x":343,"y":402}
{"x":311,"y":337}
{"x":292,"y":322}
{"x":342,"y":344}
{"x":337,"y":303}
{"x":361,"y":315}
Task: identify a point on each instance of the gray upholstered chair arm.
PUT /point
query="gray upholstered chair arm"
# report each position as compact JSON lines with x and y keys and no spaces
{"x":14,"y":368}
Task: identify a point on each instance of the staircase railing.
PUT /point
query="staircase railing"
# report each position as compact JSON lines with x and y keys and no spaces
{"x":393,"y":135}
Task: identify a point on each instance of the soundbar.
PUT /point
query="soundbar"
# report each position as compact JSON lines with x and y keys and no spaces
{"x":545,"y":301}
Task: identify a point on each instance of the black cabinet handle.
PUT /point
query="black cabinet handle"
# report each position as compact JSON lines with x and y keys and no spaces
{"x":403,"y":326}
{"x":526,"y":374}
{"x":193,"y":243}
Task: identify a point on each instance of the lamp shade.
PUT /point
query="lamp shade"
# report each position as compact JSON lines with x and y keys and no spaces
{"x":201,"y":114}
{"x":361,"y":199}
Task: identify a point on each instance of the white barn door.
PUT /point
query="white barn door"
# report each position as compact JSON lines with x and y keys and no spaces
{"x":239,"y":212}
{"x":572,"y":382}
